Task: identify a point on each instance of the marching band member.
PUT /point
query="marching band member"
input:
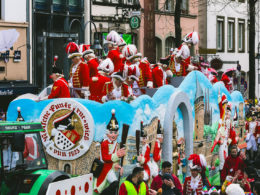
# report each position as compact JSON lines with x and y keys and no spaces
{"x":92,"y":62}
{"x":115,"y":90}
{"x":114,"y":54}
{"x":145,"y":79}
{"x":79,"y":72}
{"x":97,"y":83}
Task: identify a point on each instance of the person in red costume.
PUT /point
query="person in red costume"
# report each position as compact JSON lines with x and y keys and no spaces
{"x":133,"y":75}
{"x":97,"y":83}
{"x":194,"y":183}
{"x":227,"y":82}
{"x":232,"y":165}
{"x":110,"y":156}
{"x":79,"y":72}
{"x":92,"y":62}
{"x":144,"y":157}
{"x":145,"y":78}
{"x":114,"y":53}
{"x":115,"y":90}
{"x":212,"y":75}
{"x":60,"y":88}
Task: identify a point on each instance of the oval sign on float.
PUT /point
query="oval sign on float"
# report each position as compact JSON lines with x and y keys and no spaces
{"x":68,"y":129}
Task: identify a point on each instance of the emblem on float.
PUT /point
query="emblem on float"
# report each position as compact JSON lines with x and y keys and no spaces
{"x":68,"y":129}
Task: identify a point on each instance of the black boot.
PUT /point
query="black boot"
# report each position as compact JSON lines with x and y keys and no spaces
{"x":111,"y":189}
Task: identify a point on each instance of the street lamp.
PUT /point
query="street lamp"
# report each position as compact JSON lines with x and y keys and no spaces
{"x":96,"y":45}
{"x":258,"y":58}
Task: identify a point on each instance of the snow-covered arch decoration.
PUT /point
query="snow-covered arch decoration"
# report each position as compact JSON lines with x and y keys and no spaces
{"x":177,"y":100}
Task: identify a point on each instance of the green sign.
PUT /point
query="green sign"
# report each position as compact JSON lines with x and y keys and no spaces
{"x":135,"y":22}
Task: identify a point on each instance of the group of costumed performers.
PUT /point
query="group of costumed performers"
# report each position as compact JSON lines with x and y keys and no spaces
{"x":125,"y":74}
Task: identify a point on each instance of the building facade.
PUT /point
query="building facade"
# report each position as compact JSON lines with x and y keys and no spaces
{"x":224,"y":34}
{"x":15,"y":73}
{"x":165,"y":27}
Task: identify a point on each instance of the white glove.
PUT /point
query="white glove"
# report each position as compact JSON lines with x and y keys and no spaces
{"x":86,"y":93}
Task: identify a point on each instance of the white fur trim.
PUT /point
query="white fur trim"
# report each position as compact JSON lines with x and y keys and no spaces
{"x":94,"y":79}
{"x":169,"y":73}
{"x":104,"y":99}
{"x":142,"y":160}
{"x":203,"y":161}
{"x":121,"y":56}
{"x":149,"y":84}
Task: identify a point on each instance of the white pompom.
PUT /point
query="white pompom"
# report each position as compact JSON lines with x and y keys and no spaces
{"x":113,"y":111}
{"x":18,"y":109}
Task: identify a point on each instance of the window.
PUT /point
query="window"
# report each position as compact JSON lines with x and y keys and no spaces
{"x":169,"y":43}
{"x":241,"y":35}
{"x":220,"y":33}
{"x":185,"y":6}
{"x":231,"y":35}
{"x":169,"y":5}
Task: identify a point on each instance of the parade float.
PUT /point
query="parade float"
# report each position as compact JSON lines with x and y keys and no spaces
{"x":188,"y":117}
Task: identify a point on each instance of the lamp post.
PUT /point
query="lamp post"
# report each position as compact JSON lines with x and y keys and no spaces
{"x":96,"y":45}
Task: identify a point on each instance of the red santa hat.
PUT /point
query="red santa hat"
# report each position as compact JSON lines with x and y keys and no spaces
{"x":198,"y":162}
{"x":113,"y":123}
{"x":106,"y":66}
{"x":130,"y":52}
{"x":192,"y":37}
{"x":133,"y":72}
{"x":83,"y":48}
{"x":224,"y":99}
{"x":72,"y":50}
{"x":112,"y":38}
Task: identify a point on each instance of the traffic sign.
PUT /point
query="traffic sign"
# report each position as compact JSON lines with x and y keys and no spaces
{"x":135,"y":22}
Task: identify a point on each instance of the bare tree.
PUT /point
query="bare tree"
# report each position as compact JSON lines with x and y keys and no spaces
{"x":252,"y":12}
{"x":177,"y":22}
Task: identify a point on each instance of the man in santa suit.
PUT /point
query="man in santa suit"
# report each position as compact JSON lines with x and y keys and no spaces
{"x":144,"y":157}
{"x":110,"y":156}
{"x":145,"y":79}
{"x":251,"y":128}
{"x":92,"y":62}
{"x":133,"y":75}
{"x":194,"y":183}
{"x":97,"y":83}
{"x":79,"y":72}
{"x":115,"y":90}
{"x":227,"y":82}
{"x":114,"y":53}
{"x":182,"y":56}
{"x":60,"y":88}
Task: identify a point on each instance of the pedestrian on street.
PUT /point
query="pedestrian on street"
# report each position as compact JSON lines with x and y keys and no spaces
{"x":158,"y":181}
{"x":134,"y":184}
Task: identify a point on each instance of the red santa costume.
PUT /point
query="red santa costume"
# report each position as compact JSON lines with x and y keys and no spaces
{"x":183,"y":53}
{"x":92,"y":62}
{"x":79,"y":73}
{"x":194,"y":185}
{"x":114,"y":52}
{"x":60,"y":88}
{"x":98,"y":82}
{"x":227,"y":82}
{"x":113,"y":91}
{"x":109,"y":157}
{"x":133,"y":75}
{"x":145,"y":78}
